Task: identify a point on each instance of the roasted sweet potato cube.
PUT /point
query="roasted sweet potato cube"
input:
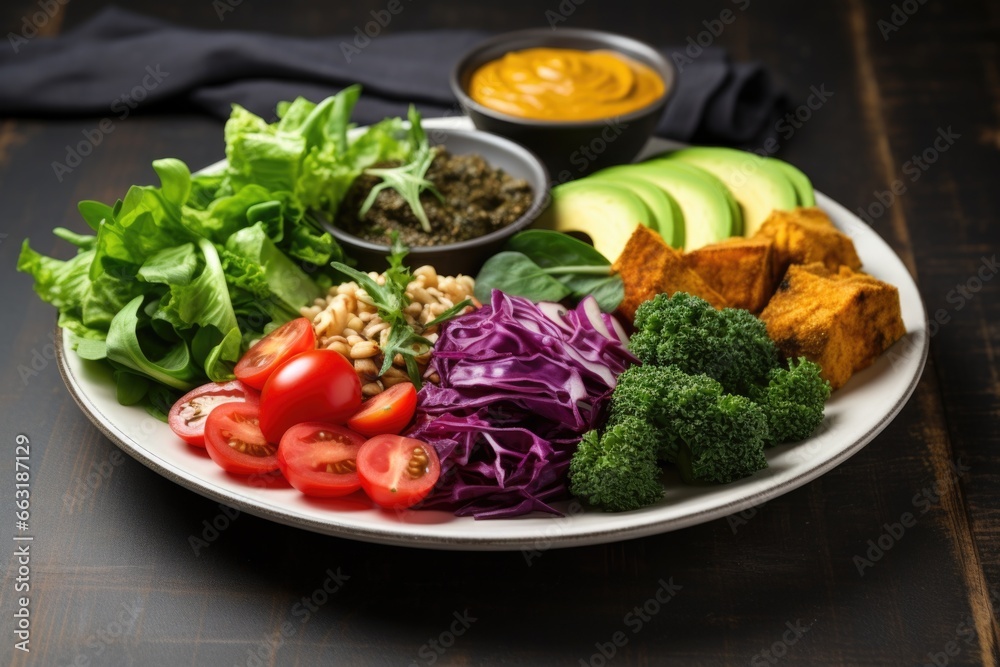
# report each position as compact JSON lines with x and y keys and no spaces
{"x":648,"y":266}
{"x":739,"y":269}
{"x":840,"y":319}
{"x":805,"y":235}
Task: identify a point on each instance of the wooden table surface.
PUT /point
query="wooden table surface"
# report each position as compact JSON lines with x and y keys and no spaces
{"x":115,"y":581}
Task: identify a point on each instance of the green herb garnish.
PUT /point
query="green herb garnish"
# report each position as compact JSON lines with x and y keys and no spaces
{"x":408,"y":179}
{"x":391,"y":301}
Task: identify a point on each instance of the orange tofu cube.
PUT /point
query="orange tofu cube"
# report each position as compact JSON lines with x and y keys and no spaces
{"x":741,"y":270}
{"x":840,"y":319}
{"x":648,"y":266}
{"x":805,"y":235}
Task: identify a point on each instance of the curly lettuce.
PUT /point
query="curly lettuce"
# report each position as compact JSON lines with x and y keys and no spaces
{"x":178,"y":279}
{"x":171,"y":290}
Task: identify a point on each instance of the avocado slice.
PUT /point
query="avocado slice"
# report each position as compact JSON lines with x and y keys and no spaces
{"x":710,"y":214}
{"x":757,"y":184}
{"x":666,"y":212}
{"x":803,"y":186}
{"x":605,"y":212}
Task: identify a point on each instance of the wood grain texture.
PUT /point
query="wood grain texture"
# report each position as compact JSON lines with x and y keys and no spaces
{"x":116,"y":581}
{"x":940,"y":451}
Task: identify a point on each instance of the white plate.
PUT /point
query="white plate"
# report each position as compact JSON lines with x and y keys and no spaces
{"x":854,"y":416}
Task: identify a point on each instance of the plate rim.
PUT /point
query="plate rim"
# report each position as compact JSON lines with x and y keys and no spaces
{"x":385,"y":534}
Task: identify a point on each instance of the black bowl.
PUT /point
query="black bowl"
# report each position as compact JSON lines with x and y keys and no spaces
{"x":465,"y":256}
{"x":569,"y":149}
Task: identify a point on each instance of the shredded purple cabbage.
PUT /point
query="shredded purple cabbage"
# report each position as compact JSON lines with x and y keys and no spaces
{"x":520,"y":384}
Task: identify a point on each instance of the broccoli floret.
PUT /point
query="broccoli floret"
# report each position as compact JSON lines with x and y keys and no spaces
{"x":617,"y":471}
{"x":793,"y":401}
{"x":729,"y":345}
{"x":725,"y":443}
{"x":658,"y":395}
{"x":711,"y":435}
{"x":709,"y":397}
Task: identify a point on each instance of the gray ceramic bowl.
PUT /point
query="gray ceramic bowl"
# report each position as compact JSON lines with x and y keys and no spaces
{"x":465,"y":256}
{"x":568,"y":149}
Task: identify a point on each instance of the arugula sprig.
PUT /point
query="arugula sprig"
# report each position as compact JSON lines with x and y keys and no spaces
{"x":409,"y":179}
{"x":391,"y":301}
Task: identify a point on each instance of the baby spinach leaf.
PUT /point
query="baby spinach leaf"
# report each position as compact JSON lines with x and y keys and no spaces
{"x":515,"y":274}
{"x":577,"y":265}
{"x":548,"y":249}
{"x":544,"y":265}
{"x":608,"y":290}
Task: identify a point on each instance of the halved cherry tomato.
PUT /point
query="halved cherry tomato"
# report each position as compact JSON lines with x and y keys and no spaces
{"x":387,"y":412}
{"x":274,"y":349}
{"x":187,"y":416}
{"x":319,"y":385}
{"x":234,"y":441}
{"x":320,"y":459}
{"x":397,"y":472}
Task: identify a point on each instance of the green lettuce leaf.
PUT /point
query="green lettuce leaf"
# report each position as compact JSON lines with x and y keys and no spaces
{"x":131,"y":387}
{"x":107,"y":296}
{"x":227,"y":214}
{"x":64,"y":284}
{"x":88,"y":348}
{"x":94,"y":213}
{"x":149,"y":220}
{"x":81,"y":241}
{"x":290,"y":286}
{"x":260,"y":155}
{"x":207,"y":187}
{"x":205,"y":299}
{"x":171,"y":266}
{"x":174,"y":368}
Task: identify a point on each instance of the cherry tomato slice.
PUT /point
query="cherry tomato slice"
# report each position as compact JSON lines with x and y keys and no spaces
{"x":397,"y":472}
{"x":274,"y":349}
{"x":320,"y":459}
{"x":234,"y":441}
{"x":187,"y":416}
{"x":315,"y":386}
{"x":386,"y":413}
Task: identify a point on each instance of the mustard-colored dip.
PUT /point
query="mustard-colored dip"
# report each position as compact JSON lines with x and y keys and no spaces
{"x":565,"y":84}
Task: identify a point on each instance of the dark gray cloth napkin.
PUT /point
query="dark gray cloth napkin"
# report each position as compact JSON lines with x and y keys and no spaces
{"x":119,"y":62}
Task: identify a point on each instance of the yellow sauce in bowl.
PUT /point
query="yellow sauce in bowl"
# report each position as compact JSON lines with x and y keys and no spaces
{"x":565,"y":84}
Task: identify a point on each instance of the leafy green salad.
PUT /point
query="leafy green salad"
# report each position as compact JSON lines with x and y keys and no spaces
{"x":176,"y":281}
